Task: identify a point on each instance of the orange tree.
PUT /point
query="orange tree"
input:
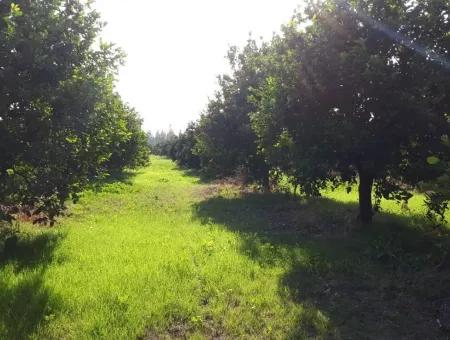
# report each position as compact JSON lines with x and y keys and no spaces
{"x":61,"y":124}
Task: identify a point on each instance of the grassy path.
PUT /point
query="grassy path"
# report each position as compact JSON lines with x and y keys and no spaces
{"x":134,"y":257}
{"x":153,"y":257}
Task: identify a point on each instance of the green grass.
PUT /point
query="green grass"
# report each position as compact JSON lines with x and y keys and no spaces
{"x":160,"y":254}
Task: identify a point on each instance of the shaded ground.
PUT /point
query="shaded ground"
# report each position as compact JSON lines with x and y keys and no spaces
{"x":29,"y":302}
{"x":388,"y":281}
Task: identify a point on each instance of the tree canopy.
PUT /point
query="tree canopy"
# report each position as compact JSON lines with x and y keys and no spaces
{"x":62,"y":125}
{"x":351,"y":92}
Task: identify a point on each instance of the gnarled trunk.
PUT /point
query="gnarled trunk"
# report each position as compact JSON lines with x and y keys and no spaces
{"x":365,"y":196}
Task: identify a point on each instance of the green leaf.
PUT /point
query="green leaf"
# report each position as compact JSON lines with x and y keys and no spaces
{"x":10,"y":172}
{"x":15,"y":10}
{"x":433,"y":160}
{"x":71,"y":140}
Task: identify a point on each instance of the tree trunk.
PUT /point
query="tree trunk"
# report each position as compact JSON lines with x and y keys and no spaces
{"x":365,"y":197}
{"x":266,"y":183}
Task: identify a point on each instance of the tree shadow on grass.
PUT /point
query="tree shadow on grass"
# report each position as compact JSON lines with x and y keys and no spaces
{"x":25,"y":301}
{"x":122,"y":177}
{"x":198,"y":175}
{"x":385,"y":281}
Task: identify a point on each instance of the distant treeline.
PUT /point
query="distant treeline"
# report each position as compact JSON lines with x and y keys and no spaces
{"x":161,"y":141}
{"x":350,"y":92}
{"x":62,"y":125}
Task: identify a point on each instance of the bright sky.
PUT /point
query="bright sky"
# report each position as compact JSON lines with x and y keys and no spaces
{"x":176,"y":48}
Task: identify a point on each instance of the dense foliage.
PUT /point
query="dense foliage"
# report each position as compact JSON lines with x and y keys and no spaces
{"x":161,"y":142}
{"x":181,"y":148}
{"x":225,"y":138}
{"x":61,"y":123}
{"x":351,"y":92}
